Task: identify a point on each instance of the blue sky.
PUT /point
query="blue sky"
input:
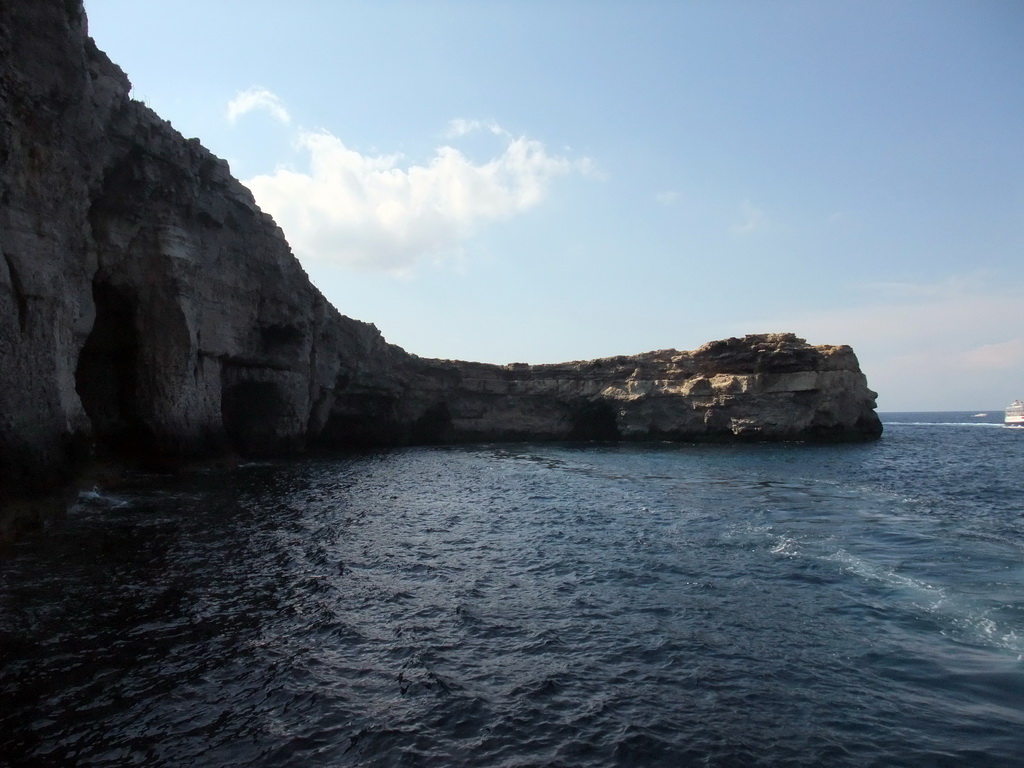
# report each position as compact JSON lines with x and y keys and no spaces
{"x":545,"y":181}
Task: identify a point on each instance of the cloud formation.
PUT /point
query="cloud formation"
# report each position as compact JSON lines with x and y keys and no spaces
{"x":460,"y":127}
{"x":372,"y":212}
{"x":753,"y":218}
{"x":923,"y":343}
{"x":1000,"y":356}
{"x":257,"y":98}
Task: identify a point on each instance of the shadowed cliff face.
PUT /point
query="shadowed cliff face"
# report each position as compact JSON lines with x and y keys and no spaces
{"x":149,"y":309}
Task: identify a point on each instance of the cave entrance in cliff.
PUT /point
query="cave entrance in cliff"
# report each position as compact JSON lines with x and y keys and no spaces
{"x":254,"y":413}
{"x":595,"y":420}
{"x":107,"y":374}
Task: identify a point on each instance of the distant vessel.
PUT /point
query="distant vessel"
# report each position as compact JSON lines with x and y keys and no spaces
{"x":1015,"y":415}
{"x":979,"y":415}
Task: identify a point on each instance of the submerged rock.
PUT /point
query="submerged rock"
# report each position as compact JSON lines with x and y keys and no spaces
{"x":149,"y":309}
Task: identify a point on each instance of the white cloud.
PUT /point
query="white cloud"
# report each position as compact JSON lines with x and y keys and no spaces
{"x":460,"y":127}
{"x":372,"y":212}
{"x":999,"y":356}
{"x":927,"y":346}
{"x":257,"y":98}
{"x":753,"y":218}
{"x":666,"y":197}
{"x":953,"y":288}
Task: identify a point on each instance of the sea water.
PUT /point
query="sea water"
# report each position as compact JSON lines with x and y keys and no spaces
{"x":549,"y":605}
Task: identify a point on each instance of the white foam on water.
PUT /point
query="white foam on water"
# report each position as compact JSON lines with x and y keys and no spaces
{"x":943,"y":424}
{"x":95,"y":498}
{"x":967,"y":621}
{"x":872,"y":571}
{"x":785,"y":546}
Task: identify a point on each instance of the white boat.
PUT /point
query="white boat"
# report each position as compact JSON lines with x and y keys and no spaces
{"x":1015,"y":415}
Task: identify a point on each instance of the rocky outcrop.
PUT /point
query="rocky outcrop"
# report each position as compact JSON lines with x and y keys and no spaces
{"x":149,"y":308}
{"x":760,"y":387}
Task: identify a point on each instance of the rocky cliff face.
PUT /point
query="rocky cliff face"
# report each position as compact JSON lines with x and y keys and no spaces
{"x":149,"y":308}
{"x":760,"y":387}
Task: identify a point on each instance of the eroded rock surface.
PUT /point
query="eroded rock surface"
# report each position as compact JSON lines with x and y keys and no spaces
{"x":760,"y":387}
{"x":149,"y":308}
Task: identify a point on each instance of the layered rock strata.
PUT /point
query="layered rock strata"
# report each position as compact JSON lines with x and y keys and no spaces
{"x":759,"y":387}
{"x":149,"y":308}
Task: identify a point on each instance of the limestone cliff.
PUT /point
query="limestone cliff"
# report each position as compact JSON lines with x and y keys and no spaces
{"x":760,"y":387}
{"x":149,"y":308}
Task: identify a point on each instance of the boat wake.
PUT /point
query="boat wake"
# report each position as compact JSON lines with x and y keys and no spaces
{"x":943,"y":424}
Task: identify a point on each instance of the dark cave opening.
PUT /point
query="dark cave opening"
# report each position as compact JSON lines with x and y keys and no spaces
{"x":594,"y":420}
{"x":434,"y":426}
{"x":252,"y":412}
{"x":106,"y":378}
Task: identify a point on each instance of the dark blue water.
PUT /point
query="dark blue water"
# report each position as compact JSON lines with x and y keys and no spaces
{"x":848,"y":605}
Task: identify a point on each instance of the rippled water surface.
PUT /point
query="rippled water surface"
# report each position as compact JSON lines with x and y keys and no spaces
{"x":535,"y":605}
